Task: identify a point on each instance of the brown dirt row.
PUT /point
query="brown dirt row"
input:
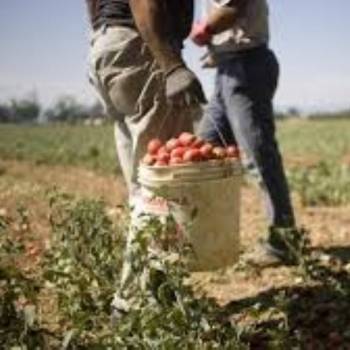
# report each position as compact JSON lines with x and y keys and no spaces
{"x":26,"y":184}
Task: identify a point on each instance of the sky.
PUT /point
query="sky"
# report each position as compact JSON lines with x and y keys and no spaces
{"x":44,"y":46}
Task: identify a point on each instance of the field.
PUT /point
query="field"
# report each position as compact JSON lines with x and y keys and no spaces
{"x":62,"y":197}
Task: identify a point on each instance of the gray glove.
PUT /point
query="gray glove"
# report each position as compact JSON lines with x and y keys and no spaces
{"x":183,"y":87}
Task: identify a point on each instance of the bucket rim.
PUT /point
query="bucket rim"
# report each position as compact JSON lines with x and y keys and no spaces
{"x":212,"y":162}
{"x":177,"y":175}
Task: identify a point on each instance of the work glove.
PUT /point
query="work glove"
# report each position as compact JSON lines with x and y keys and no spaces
{"x":183,"y":88}
{"x":201,"y":33}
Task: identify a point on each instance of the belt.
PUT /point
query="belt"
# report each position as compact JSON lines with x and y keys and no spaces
{"x":253,"y":50}
{"x":244,"y":53}
{"x":177,"y":44}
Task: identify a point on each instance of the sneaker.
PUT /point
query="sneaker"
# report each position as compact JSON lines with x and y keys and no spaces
{"x":284,"y":246}
{"x":291,"y":241}
{"x":264,"y":255}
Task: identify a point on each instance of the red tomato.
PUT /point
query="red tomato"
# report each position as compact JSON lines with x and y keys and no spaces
{"x":186,"y":138}
{"x":161,"y":163}
{"x":172,"y":144}
{"x":178,"y":152}
{"x":198,"y":143}
{"x":206,"y":151}
{"x":153,"y":146}
{"x":149,"y":159}
{"x":192,"y":155}
{"x":163,"y":157}
{"x":219,"y":152}
{"x":175,"y":161}
{"x":162,"y":149}
{"x":232,"y":151}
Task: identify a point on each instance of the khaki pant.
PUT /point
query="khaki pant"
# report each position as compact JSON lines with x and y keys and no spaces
{"x":131,"y":87}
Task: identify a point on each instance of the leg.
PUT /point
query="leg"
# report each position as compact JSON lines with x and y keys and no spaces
{"x":249,"y":86}
{"x":214,"y":125}
{"x":155,"y":119}
{"x":133,"y":89}
{"x":123,"y":143}
{"x":108,"y":63}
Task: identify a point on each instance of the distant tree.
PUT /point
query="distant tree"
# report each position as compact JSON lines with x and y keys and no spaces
{"x":26,"y":110}
{"x":293,"y":112}
{"x":340,"y":114}
{"x":96,"y":111}
{"x":5,"y":114}
{"x":66,"y":109}
{"x":280,"y":115}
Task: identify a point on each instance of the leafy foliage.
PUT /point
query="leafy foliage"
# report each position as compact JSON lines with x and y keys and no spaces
{"x":66,"y":109}
{"x":81,"y":270}
{"x":87,"y":146}
{"x":164,"y":313}
{"x":26,"y":110}
{"x":84,"y":262}
{"x":18,"y":298}
{"x":320,"y":148}
{"x":322,"y":184}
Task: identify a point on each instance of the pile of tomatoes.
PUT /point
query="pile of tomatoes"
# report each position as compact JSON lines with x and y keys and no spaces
{"x":187,"y":148}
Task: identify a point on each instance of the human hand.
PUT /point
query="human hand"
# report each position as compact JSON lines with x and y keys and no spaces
{"x":183,"y":87}
{"x":201,"y":33}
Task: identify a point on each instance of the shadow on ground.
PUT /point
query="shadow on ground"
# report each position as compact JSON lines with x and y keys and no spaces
{"x":340,"y":252}
{"x":312,"y":315}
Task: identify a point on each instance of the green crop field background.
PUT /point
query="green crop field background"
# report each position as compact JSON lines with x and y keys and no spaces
{"x":327,"y":140}
{"x":91,"y":147}
{"x":316,"y":153}
{"x":62,"y":242}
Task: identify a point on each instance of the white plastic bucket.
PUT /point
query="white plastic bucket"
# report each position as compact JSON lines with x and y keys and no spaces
{"x":204,"y":199}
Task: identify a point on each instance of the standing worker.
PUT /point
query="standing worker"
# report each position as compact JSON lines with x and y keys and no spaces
{"x":237,"y":35}
{"x":137,"y":70}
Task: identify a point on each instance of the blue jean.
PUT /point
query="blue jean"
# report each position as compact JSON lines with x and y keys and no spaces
{"x":241,"y":109}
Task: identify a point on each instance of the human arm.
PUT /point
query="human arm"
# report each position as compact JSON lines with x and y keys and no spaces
{"x":182,"y":86}
{"x":220,"y":19}
{"x":149,"y":18}
{"x":91,"y":6}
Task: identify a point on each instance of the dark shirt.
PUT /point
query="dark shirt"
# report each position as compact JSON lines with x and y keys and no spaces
{"x":110,"y":12}
{"x":177,"y":21}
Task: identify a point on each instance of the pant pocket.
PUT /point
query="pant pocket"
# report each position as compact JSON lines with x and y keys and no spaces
{"x":124,"y":75}
{"x":124,"y":88}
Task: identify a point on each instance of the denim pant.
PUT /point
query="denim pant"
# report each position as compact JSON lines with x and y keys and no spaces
{"x":241,"y":110}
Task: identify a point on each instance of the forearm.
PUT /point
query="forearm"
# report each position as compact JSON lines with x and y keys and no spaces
{"x":91,"y":6}
{"x":149,"y":18}
{"x":222,"y":18}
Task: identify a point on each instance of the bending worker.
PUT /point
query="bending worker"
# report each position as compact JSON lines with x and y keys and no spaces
{"x":137,"y":70}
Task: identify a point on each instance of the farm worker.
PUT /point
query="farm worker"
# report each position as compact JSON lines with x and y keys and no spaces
{"x":236,"y":33}
{"x":138,"y":72}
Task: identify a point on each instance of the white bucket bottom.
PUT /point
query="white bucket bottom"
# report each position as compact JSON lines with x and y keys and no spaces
{"x":204,"y":202}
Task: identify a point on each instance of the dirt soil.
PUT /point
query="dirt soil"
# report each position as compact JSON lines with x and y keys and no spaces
{"x":23,"y":183}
